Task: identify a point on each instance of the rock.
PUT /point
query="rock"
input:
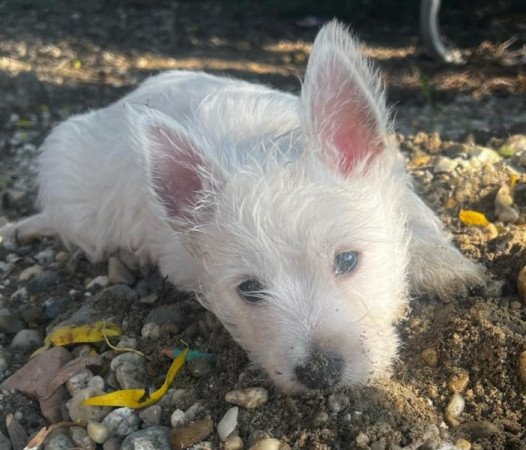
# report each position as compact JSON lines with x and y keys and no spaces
{"x":164,"y":315}
{"x":127,"y":342}
{"x":59,"y":441}
{"x":129,"y":370}
{"x":55,"y":306}
{"x":248,"y":398}
{"x":494,"y":288}
{"x":430,"y":357}
{"x":187,"y":435}
{"x":98,"y":432}
{"x":30,"y":272}
{"x":151,"y":330}
{"x":118,"y":292}
{"x":79,"y":381}
{"x":151,"y":416}
{"x":113,"y":443}
{"x":320,"y":419}
{"x":97,"y":382}
{"x":192,"y":413}
{"x":42,"y":281}
{"x":362,"y":440}
{"x":98,"y":282}
{"x":5,"y":442}
{"x":508,"y":214}
{"x":233,"y":443}
{"x":477,"y":429}
{"x":183,"y":398}
{"x":513,"y":145}
{"x":459,"y":381}
{"x":118,"y":273}
{"x":270,"y":444}
{"x":153,"y":438}
{"x":45,"y":257}
{"x":337,"y":402}
{"x":445,"y":164}
{"x":521,"y":284}
{"x":178,"y":418}
{"x":10,"y":323}
{"x":81,"y":439}
{"x":4,"y":360}
{"x":462,"y":444}
{"x":228,"y":423}
{"x":26,"y":340}
{"x":454,"y":409}
{"x":19,"y":296}
{"x":122,"y":422}
{"x":84,"y":414}
{"x":34,"y":315}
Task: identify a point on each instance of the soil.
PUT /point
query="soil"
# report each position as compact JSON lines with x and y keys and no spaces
{"x":60,"y":58}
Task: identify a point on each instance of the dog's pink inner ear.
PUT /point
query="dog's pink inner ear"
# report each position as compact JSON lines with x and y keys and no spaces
{"x":175,"y":167}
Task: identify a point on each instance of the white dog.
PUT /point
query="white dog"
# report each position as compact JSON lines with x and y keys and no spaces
{"x":292,"y":219}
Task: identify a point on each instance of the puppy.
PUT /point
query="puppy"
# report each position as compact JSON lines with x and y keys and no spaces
{"x":292,"y":218}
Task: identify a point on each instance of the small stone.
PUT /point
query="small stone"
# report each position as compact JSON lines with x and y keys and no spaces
{"x":508,"y":214}
{"x":494,"y":288}
{"x":183,"y":398}
{"x":459,"y":381}
{"x":153,"y":438}
{"x":30,"y":272}
{"x":430,"y":357}
{"x":98,"y":432}
{"x":62,"y":257}
{"x":197,"y":409}
{"x":97,"y":382}
{"x":492,"y":231}
{"x":19,"y":296}
{"x":127,"y":342}
{"x":454,"y":409}
{"x":79,"y":381}
{"x":320,"y":419}
{"x":34,"y":315}
{"x":26,"y":340}
{"x":270,"y":444}
{"x":187,"y":435}
{"x":45,"y":257}
{"x":522,"y":367}
{"x":118,"y":273}
{"x":513,"y":145}
{"x":151,"y":416}
{"x":122,"y":422}
{"x":462,"y":444}
{"x":81,"y":439}
{"x":233,"y":443}
{"x":84,"y":414}
{"x":5,"y":442}
{"x":118,"y":292}
{"x":98,"y":282}
{"x":10,"y":323}
{"x":336,"y":402}
{"x":59,"y":441}
{"x":4,"y":360}
{"x":362,"y":440}
{"x":129,"y":370}
{"x":248,"y":398}
{"x":42,"y":281}
{"x":178,"y":418}
{"x":521,"y":284}
{"x":228,"y":423}
{"x":515,"y":305}
{"x":55,"y":306}
{"x":151,"y":330}
{"x":113,"y":443}
{"x":445,"y":164}
{"x":199,"y":368}
{"x":477,"y":429}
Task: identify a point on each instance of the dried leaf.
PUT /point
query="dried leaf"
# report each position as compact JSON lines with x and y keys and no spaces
{"x":139,"y":398}
{"x":472,"y":218}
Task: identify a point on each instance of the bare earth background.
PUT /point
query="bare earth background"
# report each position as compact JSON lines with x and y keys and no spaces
{"x":64,"y":57}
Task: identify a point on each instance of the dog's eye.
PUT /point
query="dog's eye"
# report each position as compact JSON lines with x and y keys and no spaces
{"x":251,"y":290}
{"x":345,"y":262}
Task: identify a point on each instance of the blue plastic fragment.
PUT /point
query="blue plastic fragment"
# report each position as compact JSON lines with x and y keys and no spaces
{"x":192,"y":354}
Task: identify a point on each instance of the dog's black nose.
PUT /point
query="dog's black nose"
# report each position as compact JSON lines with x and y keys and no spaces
{"x":321,"y":371}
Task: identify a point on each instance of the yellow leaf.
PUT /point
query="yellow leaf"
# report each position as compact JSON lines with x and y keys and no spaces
{"x":139,"y":398}
{"x":472,"y":218}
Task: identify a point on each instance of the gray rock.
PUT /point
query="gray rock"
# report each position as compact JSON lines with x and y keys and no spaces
{"x":19,"y":296}
{"x":30,"y":272}
{"x":42,"y":281}
{"x":153,"y":438}
{"x":151,"y":330}
{"x":81,"y":439}
{"x":10,"y":323}
{"x":5,"y":443}
{"x":26,"y":340}
{"x":228,"y":423}
{"x":113,"y":443}
{"x":55,"y":306}
{"x":151,"y":416}
{"x":59,"y":441}
{"x":85,"y":414}
{"x":119,"y":292}
{"x":98,"y":432}
{"x":122,"y":422}
{"x":4,"y":361}
{"x":79,"y":381}
{"x":129,"y":370}
{"x":149,"y":285}
{"x":118,"y":273}
{"x":45,"y":257}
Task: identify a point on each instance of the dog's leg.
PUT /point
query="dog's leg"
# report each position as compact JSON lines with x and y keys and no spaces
{"x":436,"y":266}
{"x":36,"y":225}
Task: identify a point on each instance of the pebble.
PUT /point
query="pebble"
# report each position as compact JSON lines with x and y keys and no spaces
{"x":85,"y":414}
{"x":494,"y":288}
{"x":458,"y":382}
{"x":183,"y":398}
{"x":122,"y":422}
{"x":97,"y":382}
{"x":34,"y":315}
{"x":430,"y":357}
{"x":81,"y":439}
{"x":233,"y":443}
{"x":127,"y":342}
{"x":98,"y":282}
{"x":320,"y":419}
{"x":59,"y":441}
{"x":118,"y":292}
{"x":513,"y":145}
{"x":190,"y":434}
{"x":248,"y":398}
{"x":362,"y":440}
{"x":55,"y":306}
{"x":522,"y":367}
{"x":79,"y":381}
{"x":270,"y":444}
{"x":178,"y":418}
{"x":62,"y":257}
{"x":10,"y":323}
{"x":194,"y":411}
{"x":151,"y":416}
{"x":45,"y":257}
{"x":118,"y":273}
{"x":151,"y":330}
{"x":113,"y":443}
{"x":98,"y":432}
{"x":129,"y":370}
{"x":462,"y":444}
{"x":5,"y":442}
{"x":454,"y":409}
{"x":30,"y":272}
{"x":228,"y":423}
{"x":4,"y":359}
{"x":42,"y":281}
{"x":445,"y":164}
{"x":508,"y":214}
{"x":19,"y":296}
{"x":153,"y":438}
{"x":477,"y":429}
{"x":337,"y":402}
{"x":26,"y":340}
{"x":521,"y":284}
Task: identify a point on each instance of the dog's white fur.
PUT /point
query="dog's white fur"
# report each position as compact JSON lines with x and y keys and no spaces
{"x":218,"y":180}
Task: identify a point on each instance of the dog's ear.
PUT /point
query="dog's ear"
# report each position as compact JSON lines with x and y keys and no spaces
{"x":171,"y":161}
{"x":343,"y":100}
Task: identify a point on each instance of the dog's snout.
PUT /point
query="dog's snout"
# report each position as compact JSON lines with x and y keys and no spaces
{"x":321,"y":371}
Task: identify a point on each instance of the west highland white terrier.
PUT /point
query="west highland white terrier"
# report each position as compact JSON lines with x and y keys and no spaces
{"x":291,"y":218}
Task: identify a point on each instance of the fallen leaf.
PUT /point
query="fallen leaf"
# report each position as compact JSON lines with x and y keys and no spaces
{"x":472,"y":218}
